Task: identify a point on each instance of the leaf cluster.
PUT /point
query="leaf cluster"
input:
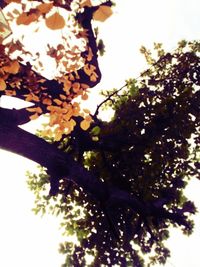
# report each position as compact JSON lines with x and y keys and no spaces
{"x":149,"y":149}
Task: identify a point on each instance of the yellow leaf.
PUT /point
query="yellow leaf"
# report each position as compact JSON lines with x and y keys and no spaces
{"x":86,"y":110}
{"x":102,"y":13}
{"x":32,"y":97}
{"x":13,"y":68}
{"x":69,"y":126}
{"x":57,"y":101}
{"x":76,"y":87}
{"x":84,"y":97}
{"x":54,"y":109}
{"x":47,"y":132}
{"x":28,"y":97}
{"x":47,"y":101}
{"x":93,"y":77}
{"x":2,"y":85}
{"x":85,"y":3}
{"x":90,"y":54}
{"x":31,"y":109}
{"x":85,"y":125}
{"x":38,"y":110}
{"x":58,"y":134}
{"x":15,"y":1}
{"x":35,"y":98}
{"x":10,"y":92}
{"x":55,"y":22}
{"x":63,"y":97}
{"x":87,"y":70}
{"x":33,"y":117}
{"x":45,"y":7}
{"x":54,"y":119}
{"x":84,"y":86}
{"x":72,"y":123}
{"x":26,"y":19}
{"x":88,"y":118}
{"x":67,"y":86}
{"x":35,"y":109}
{"x":15,"y":11}
{"x":71,"y":77}
{"x":68,"y":115}
{"x":65,"y":104}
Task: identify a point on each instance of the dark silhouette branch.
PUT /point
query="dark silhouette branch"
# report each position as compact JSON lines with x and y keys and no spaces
{"x":14,"y":116}
{"x":109,"y":98}
{"x":61,"y":165}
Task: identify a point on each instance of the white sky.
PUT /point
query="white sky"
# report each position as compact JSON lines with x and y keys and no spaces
{"x":27,"y":240}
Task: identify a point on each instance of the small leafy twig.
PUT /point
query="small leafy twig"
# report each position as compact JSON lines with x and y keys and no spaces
{"x":107,"y":99}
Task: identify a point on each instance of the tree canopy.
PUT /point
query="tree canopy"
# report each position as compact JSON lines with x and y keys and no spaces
{"x":119,"y":185}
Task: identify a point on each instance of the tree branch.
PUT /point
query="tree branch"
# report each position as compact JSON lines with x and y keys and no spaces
{"x":95,"y":115}
{"x":14,"y":116}
{"x":61,"y":165}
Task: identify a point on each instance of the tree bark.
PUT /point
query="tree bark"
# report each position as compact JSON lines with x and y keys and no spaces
{"x":61,"y":165}
{"x":58,"y":163}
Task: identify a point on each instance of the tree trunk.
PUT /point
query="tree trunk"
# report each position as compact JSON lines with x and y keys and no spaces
{"x":58,"y":163}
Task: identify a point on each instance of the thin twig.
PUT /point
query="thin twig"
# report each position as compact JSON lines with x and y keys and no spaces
{"x":117,"y":91}
{"x":107,"y":99}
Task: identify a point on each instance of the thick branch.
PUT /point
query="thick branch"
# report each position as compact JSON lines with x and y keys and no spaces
{"x":60,"y":164}
{"x":14,"y":116}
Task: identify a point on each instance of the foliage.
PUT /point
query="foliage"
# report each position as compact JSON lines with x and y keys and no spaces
{"x":148,"y":151}
{"x":118,"y":186}
{"x":75,"y":57}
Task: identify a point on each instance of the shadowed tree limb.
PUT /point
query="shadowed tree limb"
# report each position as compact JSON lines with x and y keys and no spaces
{"x":14,"y":116}
{"x":60,"y":165}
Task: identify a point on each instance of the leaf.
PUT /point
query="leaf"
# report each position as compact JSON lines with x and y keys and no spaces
{"x":55,"y":22}
{"x":32,"y":97}
{"x":86,"y":110}
{"x":87,"y":69}
{"x":15,"y":11}
{"x":34,"y":116}
{"x":72,"y":123}
{"x":93,"y":77}
{"x":85,"y":125}
{"x":14,"y":1}
{"x":84,"y":86}
{"x":85,"y":3}
{"x":47,"y":101}
{"x":90,"y":54}
{"x":45,"y":7}
{"x":13,"y":68}
{"x":58,"y":134}
{"x":2,"y":85}
{"x":31,"y":109}
{"x":96,"y":130}
{"x":67,"y":86}
{"x":10,"y":92}
{"x":26,"y":19}
{"x":76,"y":87}
{"x":84,"y":97}
{"x":88,"y":118}
{"x":102,"y":13}
{"x":57,"y":101}
{"x":62,"y":97}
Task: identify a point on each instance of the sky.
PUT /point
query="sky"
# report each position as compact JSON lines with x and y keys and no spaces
{"x":28,"y":240}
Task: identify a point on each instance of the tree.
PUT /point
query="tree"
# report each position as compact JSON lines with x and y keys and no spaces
{"x":144,"y":158}
{"x":118,"y":185}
